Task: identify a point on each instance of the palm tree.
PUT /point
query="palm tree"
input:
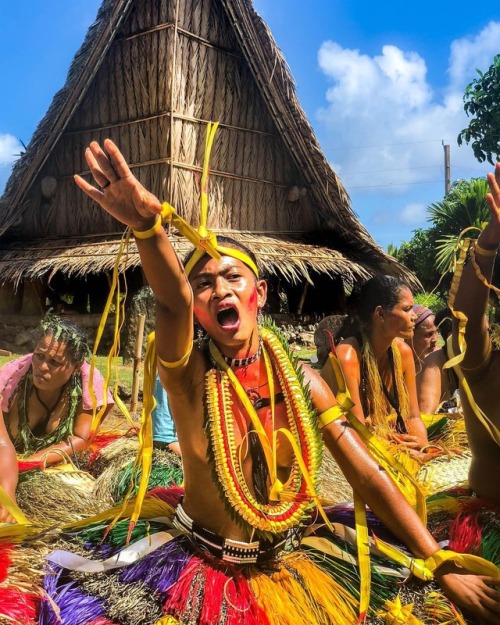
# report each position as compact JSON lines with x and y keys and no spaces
{"x":463,"y":207}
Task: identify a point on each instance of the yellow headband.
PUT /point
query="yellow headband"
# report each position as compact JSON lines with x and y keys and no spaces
{"x":224,"y":251}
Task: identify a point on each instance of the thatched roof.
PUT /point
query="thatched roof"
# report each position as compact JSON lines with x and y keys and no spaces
{"x":150,"y":75}
{"x":285,"y":257}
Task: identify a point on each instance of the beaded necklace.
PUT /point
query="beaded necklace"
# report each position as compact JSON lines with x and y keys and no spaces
{"x":243,"y":362}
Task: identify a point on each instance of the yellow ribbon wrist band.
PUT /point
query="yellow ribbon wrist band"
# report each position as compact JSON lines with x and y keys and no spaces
{"x":482,"y":251}
{"x":148,"y":234}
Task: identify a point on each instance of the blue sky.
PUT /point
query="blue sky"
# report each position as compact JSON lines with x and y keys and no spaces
{"x":382,"y":88}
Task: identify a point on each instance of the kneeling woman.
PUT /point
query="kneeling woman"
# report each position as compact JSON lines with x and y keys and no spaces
{"x":46,"y":402}
{"x":379,"y":366}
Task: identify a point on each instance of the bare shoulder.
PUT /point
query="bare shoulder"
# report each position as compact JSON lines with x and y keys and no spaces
{"x":435,"y":359}
{"x":182,"y":380}
{"x":404,"y":349}
{"x":348,"y":352}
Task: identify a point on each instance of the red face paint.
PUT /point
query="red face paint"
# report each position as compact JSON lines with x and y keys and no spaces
{"x":253,"y":301}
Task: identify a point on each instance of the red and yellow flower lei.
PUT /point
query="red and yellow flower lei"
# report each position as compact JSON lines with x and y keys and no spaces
{"x":289,"y":502}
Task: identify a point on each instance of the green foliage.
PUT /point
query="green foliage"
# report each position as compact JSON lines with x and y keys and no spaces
{"x":482,"y":101}
{"x":434,"y":301}
{"x":419,"y":254}
{"x":463,"y":207}
{"x":430,"y":253}
{"x":392,"y":250}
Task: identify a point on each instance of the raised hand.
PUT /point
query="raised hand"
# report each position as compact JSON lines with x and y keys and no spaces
{"x":119,"y":192}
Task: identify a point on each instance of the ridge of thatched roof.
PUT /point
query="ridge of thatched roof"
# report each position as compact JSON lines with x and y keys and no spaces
{"x":276,"y":85}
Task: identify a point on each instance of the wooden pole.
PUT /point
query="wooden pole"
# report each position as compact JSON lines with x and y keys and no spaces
{"x":302,"y":298}
{"x":447,"y":169}
{"x":137,"y":363}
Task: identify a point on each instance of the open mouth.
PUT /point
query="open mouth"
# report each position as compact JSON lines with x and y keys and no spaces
{"x":228,"y":318}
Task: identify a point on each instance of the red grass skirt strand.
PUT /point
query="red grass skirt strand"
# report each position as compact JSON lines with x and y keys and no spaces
{"x":471,"y":525}
{"x":15,"y":605}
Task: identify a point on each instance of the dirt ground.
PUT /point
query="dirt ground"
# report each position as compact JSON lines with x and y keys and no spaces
{"x":117,"y":421}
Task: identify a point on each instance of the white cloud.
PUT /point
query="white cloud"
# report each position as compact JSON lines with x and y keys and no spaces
{"x":10,"y":148}
{"x":413,"y":214}
{"x":383,"y":124}
{"x":471,"y":53}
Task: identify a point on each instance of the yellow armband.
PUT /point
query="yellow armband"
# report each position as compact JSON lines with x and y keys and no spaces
{"x":425,"y":569}
{"x":147,"y":234}
{"x":328,"y":416}
{"x":164,"y":216}
{"x":484,"y":252}
{"x":180,"y":362}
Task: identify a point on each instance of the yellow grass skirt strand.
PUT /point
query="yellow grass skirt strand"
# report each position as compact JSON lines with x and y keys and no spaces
{"x":168,"y":620}
{"x":300,"y":592}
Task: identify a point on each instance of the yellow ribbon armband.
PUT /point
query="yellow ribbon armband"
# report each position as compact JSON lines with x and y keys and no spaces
{"x":180,"y":362}
{"x":147,"y":234}
{"x":329,"y":416}
{"x":482,"y":251}
{"x":425,"y":569}
{"x":164,"y":216}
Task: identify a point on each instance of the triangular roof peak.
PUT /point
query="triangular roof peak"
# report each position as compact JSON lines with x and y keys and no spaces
{"x":151,"y":74}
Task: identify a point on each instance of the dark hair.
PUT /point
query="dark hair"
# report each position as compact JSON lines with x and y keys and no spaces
{"x":443,"y":322}
{"x":382,"y":291}
{"x":226,"y":242}
{"x":66,"y":332}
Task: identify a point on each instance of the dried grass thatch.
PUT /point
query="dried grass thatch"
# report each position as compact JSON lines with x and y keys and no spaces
{"x":279,"y":256}
{"x":150,"y":75}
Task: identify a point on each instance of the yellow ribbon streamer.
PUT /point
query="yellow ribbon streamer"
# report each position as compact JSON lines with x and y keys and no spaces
{"x":113,"y":297}
{"x":13,"y":509}
{"x":363,"y":549}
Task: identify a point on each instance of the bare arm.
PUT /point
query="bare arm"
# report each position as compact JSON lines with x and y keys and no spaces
{"x":78,"y":441}
{"x":8,"y":469}
{"x":429,"y":383}
{"x":377,"y":489}
{"x":472,"y":294}
{"x":349,"y":361}
{"x":127,"y":200}
{"x":366,"y":477}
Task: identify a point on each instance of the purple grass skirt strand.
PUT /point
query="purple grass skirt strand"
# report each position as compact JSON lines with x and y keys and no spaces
{"x":75,"y":607}
{"x":160,"y":569}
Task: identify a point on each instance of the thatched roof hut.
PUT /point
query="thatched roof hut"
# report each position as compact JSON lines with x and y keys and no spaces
{"x":150,"y":75}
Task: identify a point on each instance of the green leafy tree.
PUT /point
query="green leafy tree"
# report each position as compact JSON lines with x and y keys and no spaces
{"x":482,"y":101}
{"x":419,"y":255}
{"x":463,"y":207}
{"x":430,"y":252}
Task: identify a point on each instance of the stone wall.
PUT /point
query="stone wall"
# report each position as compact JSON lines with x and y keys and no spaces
{"x":16,"y":331}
